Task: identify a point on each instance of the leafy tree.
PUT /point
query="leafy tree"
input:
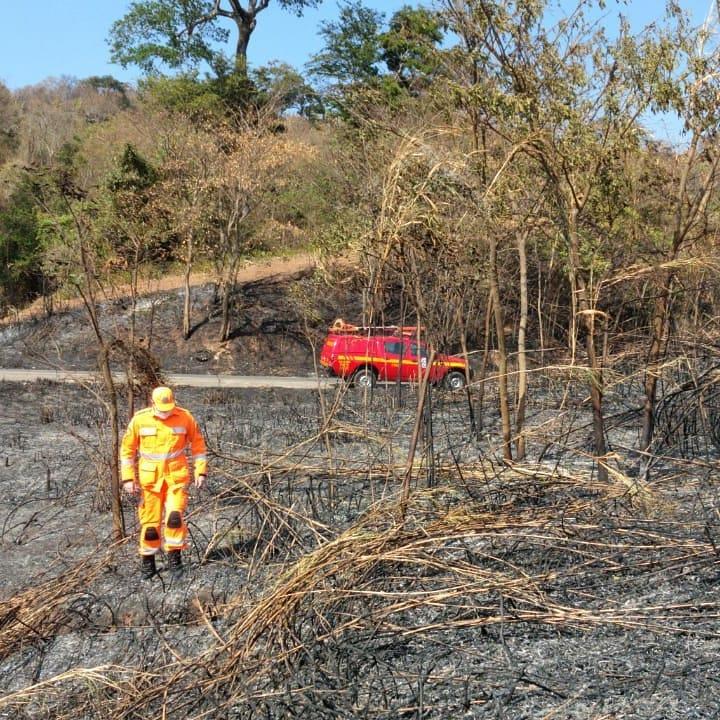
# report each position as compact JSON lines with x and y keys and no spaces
{"x":184,"y":194}
{"x":74,"y":253}
{"x":409,"y":47}
{"x":184,"y":94}
{"x":55,"y":111}
{"x":554,"y":96}
{"x":108,"y":85}
{"x":360,"y":56}
{"x":129,"y":221}
{"x":679,"y":213}
{"x":21,"y":276}
{"x":201,"y":99}
{"x":182,"y":33}
{"x":9,"y":124}
{"x":133,"y":173}
{"x":280,"y":86}
{"x":249,"y":170}
{"x":352,"y":51}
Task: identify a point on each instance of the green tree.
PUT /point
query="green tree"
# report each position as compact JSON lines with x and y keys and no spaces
{"x":362,"y":61}
{"x":280,"y":87}
{"x":108,"y":85}
{"x":129,"y":221}
{"x":184,"y":94}
{"x":181,"y":34}
{"x":21,"y":276}
{"x":409,"y":47}
{"x":9,"y":124}
{"x":352,"y":52}
{"x":276,"y":87}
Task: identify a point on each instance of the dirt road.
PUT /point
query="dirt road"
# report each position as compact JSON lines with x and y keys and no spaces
{"x":252,"y":271}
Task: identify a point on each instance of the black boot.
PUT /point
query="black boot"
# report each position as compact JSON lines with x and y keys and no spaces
{"x":174,"y":564}
{"x":147,"y":569}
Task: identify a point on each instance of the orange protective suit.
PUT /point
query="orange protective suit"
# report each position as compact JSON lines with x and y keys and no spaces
{"x":158,"y":446}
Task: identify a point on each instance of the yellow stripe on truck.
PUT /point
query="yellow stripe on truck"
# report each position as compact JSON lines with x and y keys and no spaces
{"x":345,"y":361}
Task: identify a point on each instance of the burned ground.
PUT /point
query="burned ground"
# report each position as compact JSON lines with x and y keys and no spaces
{"x":272,"y":331}
{"x":313,"y":591}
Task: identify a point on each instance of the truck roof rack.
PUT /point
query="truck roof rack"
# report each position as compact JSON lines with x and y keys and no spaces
{"x":340,"y":326}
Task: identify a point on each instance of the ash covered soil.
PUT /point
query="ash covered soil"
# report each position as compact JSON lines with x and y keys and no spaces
{"x":329,"y":576}
{"x":270,"y":333}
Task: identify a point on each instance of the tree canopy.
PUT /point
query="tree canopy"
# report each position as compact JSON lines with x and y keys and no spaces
{"x":363,"y":51}
{"x":183,"y":34}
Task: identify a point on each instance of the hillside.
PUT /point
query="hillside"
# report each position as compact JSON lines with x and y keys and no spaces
{"x":269,"y":336}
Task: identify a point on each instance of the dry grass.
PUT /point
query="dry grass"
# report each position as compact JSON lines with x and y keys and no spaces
{"x":512,"y":548}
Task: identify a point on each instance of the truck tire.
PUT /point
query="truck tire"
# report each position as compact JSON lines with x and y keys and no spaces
{"x":455,"y":380}
{"x":365,"y":377}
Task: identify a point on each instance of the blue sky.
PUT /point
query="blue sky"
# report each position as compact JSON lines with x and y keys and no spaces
{"x":68,"y":37}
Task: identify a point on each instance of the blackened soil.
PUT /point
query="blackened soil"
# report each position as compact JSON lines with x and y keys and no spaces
{"x":277,"y":323}
{"x":332,"y":573}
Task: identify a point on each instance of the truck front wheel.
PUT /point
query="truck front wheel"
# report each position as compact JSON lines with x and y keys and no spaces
{"x":455,"y":380}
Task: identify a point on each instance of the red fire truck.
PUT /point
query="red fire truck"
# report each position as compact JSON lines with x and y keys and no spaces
{"x":364,"y":355}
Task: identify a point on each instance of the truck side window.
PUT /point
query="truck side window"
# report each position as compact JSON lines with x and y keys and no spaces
{"x":414,"y":350}
{"x":392,"y":347}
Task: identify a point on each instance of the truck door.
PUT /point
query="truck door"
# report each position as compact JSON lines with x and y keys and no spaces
{"x":393,"y":351}
{"x":411,"y":363}
{"x":418,"y":356}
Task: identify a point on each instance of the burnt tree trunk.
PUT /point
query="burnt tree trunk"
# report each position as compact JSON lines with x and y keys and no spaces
{"x":502,"y":352}
{"x":187,"y":297}
{"x":487,"y":328}
{"x":521,"y":340}
{"x":579,"y":289}
{"x":111,"y":403}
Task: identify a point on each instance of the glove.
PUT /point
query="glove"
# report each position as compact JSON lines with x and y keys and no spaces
{"x":129,"y":486}
{"x":200,"y":480}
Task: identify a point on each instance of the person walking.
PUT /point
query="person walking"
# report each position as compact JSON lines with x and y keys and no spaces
{"x":153,"y":461}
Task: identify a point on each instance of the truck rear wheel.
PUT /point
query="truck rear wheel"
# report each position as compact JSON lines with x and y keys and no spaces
{"x":364,"y":378}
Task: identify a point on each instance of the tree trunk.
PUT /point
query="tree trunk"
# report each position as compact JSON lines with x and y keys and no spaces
{"x":579,"y":289}
{"x":522,"y":357}
{"x":596,"y":395}
{"x":133,"y":333}
{"x":112,"y":408}
{"x":539,"y":307}
{"x":88,"y":298}
{"x":187,"y":300}
{"x":245,"y":28}
{"x":652,"y":371}
{"x":484,"y":364}
{"x":502,"y":353}
{"x":225,"y":310}
{"x":463,"y":344}
{"x":419,"y":414}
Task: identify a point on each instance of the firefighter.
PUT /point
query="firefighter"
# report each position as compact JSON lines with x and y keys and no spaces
{"x":153,"y":460}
